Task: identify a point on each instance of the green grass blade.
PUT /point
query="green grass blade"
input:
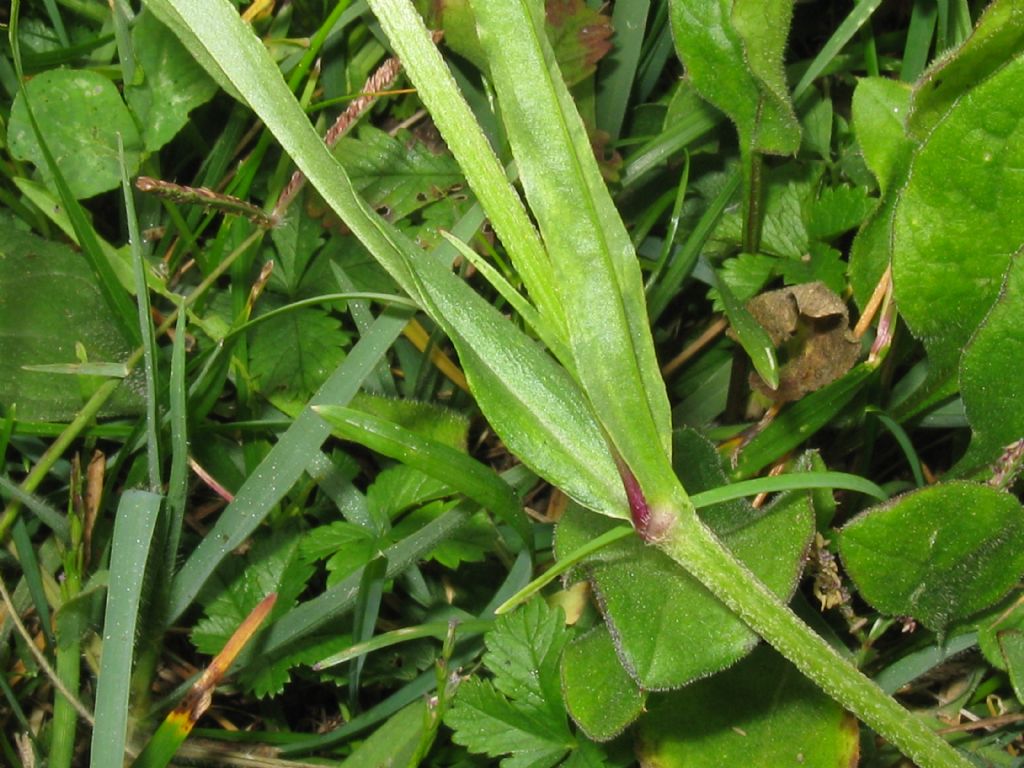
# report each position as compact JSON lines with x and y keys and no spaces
{"x":283,"y":466}
{"x":798,"y":481}
{"x":146,"y":330}
{"x":798,"y":421}
{"x":618,"y":70}
{"x":920,"y":35}
{"x":177,"y":482}
{"x":50,"y":517}
{"x":452,"y":467}
{"x":407,"y":694}
{"x":854,"y":20}
{"x":33,"y":578}
{"x":371,"y":589}
{"x":904,"y":442}
{"x":564,"y":564}
{"x":681,"y":266}
{"x":133,"y":530}
{"x":436,"y":629}
{"x":673,"y":139}
{"x":673,"y":226}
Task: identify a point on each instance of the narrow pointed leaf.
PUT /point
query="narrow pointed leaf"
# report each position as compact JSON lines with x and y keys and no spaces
{"x":529,"y":400}
{"x":436,"y":459}
{"x":593,"y":261}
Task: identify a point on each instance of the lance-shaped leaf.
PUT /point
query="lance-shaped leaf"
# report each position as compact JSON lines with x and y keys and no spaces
{"x":733,"y":52}
{"x":464,"y":137}
{"x":443,"y":462}
{"x":594,"y":265}
{"x":530,"y":401}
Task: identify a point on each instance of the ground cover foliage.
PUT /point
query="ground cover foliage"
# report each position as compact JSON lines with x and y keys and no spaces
{"x":611,"y":384}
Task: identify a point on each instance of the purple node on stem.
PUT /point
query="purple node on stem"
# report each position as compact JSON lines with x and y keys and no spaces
{"x":639,"y":511}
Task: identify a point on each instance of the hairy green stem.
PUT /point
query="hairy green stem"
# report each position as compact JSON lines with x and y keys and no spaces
{"x":696,"y":549}
{"x":753,"y":199}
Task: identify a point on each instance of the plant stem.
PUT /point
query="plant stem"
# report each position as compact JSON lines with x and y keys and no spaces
{"x":696,"y":548}
{"x":753,"y":191}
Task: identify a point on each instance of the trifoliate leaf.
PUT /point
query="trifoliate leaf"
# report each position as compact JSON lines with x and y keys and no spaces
{"x":269,"y":677}
{"x":397,"y":175}
{"x":296,"y":241}
{"x":838,"y":210}
{"x":523,"y":653}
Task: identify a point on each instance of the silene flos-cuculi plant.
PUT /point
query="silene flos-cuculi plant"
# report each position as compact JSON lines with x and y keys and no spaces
{"x":574,"y":388}
{"x":590,"y":415}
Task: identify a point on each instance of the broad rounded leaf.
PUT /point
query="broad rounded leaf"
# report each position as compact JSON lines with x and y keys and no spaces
{"x":880,"y":107}
{"x":174,"y":83}
{"x":990,"y":382}
{"x":937,"y":554}
{"x":959,"y":215}
{"x":763,"y":712}
{"x":49,"y":301}
{"x":80,"y":113}
{"x":599,"y":695}
{"x":733,"y":52}
{"x":668,"y":629}
{"x":997,"y":37}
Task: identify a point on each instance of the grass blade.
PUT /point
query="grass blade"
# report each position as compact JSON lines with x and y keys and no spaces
{"x":179,"y":722}
{"x":856,"y":19}
{"x":284,"y":464}
{"x":133,"y":530}
{"x":752,"y":337}
{"x":146,"y":330}
{"x":371,"y":589}
{"x":618,"y":71}
{"x":177,"y":483}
